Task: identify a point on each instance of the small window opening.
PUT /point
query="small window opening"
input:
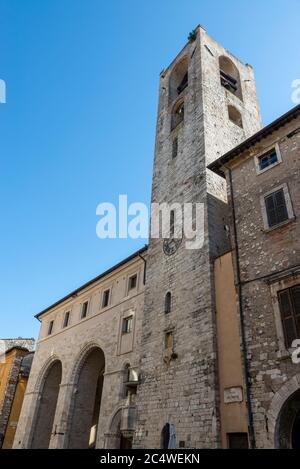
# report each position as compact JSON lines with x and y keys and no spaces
{"x":175,"y":148}
{"x":172,"y":224}
{"x":67,"y":319}
{"x":132,"y":282}
{"x":168,"y":302}
{"x":267,"y":160}
{"x":84,"y":309}
{"x":106,"y":297}
{"x":127,"y":325}
{"x":50,"y":328}
{"x":184,"y":84}
{"x":235,"y":116}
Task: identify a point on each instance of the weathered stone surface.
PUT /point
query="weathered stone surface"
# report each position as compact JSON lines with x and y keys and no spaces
{"x":183,"y":392}
{"x":269,"y":261}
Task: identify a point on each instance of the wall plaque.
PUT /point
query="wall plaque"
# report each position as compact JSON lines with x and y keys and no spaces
{"x":233,"y":395}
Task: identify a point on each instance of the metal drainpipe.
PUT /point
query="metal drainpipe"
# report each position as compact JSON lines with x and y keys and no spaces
{"x":242,"y":322}
{"x":145,"y":267}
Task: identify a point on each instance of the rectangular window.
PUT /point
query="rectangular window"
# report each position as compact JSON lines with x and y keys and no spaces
{"x":67,"y":319}
{"x":127,"y":325}
{"x":276,"y":208}
{"x":84,"y":309}
{"x":132,"y":282}
{"x":238,"y":441}
{"x":289,"y":301}
{"x":105,"y":299}
{"x":267,"y":160}
{"x":50,"y":328}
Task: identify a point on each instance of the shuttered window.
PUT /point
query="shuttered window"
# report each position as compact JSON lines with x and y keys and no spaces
{"x":289,"y":301}
{"x":276,"y":208}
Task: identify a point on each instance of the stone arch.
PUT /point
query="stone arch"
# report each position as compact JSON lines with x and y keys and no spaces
{"x":79,"y":360}
{"x":87,"y":379}
{"x":48,"y":386}
{"x":278,"y":413}
{"x":116,"y":438}
{"x":43,"y":372}
{"x":178,"y":79}
{"x":230,"y":76}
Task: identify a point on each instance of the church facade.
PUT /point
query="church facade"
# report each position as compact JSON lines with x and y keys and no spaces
{"x":180,"y":348}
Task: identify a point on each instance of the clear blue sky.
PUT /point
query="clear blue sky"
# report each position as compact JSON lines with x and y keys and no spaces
{"x":79,"y":124}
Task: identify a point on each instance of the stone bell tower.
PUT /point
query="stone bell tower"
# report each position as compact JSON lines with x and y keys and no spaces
{"x":207,"y":105}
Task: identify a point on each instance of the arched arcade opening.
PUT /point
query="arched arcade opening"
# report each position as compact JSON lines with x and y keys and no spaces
{"x":43,"y":428}
{"x":86,"y":405}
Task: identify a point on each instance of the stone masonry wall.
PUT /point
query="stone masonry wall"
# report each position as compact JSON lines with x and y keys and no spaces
{"x":183,"y":391}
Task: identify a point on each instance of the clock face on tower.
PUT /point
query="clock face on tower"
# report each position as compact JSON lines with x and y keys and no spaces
{"x":171,"y":246}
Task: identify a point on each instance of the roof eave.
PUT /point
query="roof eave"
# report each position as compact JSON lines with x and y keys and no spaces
{"x":217,"y":165}
{"x":94,"y":280}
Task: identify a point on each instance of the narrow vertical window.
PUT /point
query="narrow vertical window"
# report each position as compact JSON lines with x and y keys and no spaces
{"x":84,"y":309}
{"x":132,"y":282}
{"x":50,"y":328}
{"x":172,"y":224}
{"x":168,"y":301}
{"x":175,"y":148}
{"x":106,"y":298}
{"x":67,"y":319}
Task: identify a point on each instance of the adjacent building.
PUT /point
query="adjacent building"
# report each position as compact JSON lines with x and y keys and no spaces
{"x":263,"y":180}
{"x":15,"y":363}
{"x":84,"y":378}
